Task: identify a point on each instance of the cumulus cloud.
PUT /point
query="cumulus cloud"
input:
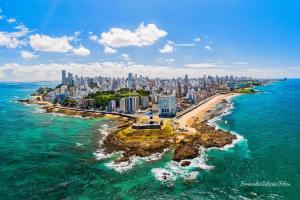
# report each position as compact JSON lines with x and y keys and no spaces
{"x":56,"y":44}
{"x":11,"y":20}
{"x":204,"y":65}
{"x":126,"y":57}
{"x":168,"y":48}
{"x":197,"y":39}
{"x":50,"y":44}
{"x":185,"y":45}
{"x":108,"y":50}
{"x":170,"y":60}
{"x":144,"y":35}
{"x":8,"y":41}
{"x":28,"y":55}
{"x":77,"y":33}
{"x":13,"y":39}
{"x":81,"y":51}
{"x":93,"y":38}
{"x":207,"y":47}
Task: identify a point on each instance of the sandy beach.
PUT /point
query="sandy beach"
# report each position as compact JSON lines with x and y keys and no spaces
{"x":200,"y":112}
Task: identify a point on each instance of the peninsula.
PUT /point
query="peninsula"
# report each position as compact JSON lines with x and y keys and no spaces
{"x":153,"y":114}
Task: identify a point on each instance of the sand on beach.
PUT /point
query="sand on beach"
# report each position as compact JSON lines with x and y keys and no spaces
{"x":201,"y":111}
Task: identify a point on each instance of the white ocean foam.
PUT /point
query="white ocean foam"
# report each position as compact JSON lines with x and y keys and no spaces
{"x":173,"y":170}
{"x":78,"y":144}
{"x":64,"y":115}
{"x":133,"y":160}
{"x":105,"y":125}
{"x":200,"y":161}
{"x":213,"y":123}
{"x":239,"y":138}
{"x":123,"y":166}
{"x":190,"y":176}
{"x":163,"y":175}
{"x":101,"y":155}
{"x":39,"y":110}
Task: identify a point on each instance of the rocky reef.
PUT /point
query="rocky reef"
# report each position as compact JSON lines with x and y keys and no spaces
{"x":146,"y":142}
{"x":70,"y":112}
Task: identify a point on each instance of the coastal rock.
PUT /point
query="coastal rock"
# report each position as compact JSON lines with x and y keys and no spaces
{"x":70,"y":111}
{"x":185,"y":151}
{"x":185,"y":163}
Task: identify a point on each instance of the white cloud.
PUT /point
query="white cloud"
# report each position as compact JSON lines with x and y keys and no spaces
{"x":22,"y":31}
{"x":197,"y":39}
{"x":56,"y":44}
{"x":28,"y":55}
{"x":108,"y":50}
{"x":77,"y":33}
{"x":185,"y":45}
{"x":11,"y":20}
{"x":8,"y":41}
{"x":50,"y":44}
{"x":93,"y":38}
{"x":170,"y":60}
{"x":1,"y":17}
{"x":81,"y":51}
{"x":167,"y":49}
{"x":13,"y":39}
{"x":203,"y":65}
{"x":240,"y":63}
{"x":126,"y":57}
{"x":144,"y":35}
{"x":207,"y":47}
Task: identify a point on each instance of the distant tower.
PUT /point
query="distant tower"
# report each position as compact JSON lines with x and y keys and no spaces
{"x":130,"y":81}
{"x":186,"y":85}
{"x":178,"y":89}
{"x":186,"y":80}
{"x":63,"y":77}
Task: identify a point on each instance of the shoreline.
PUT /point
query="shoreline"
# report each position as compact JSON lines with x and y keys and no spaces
{"x":186,"y":144}
{"x":187,"y":141}
{"x":49,"y":107}
{"x":202,"y":112}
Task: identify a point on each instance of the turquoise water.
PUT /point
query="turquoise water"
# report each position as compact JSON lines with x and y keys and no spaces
{"x":43,"y":156}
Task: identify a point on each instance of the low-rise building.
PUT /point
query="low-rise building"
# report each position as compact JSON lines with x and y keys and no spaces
{"x":167,"y":106}
{"x":112,"y":105}
{"x":88,"y":103}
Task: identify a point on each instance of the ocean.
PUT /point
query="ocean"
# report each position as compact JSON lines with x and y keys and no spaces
{"x":47,"y":156}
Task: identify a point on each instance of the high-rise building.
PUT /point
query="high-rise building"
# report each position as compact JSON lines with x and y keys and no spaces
{"x":186,"y":85}
{"x":63,"y":77}
{"x":178,"y":89}
{"x":144,"y":102}
{"x":130,"y":81}
{"x":167,"y":106}
{"x":130,"y":104}
{"x":122,"y":105}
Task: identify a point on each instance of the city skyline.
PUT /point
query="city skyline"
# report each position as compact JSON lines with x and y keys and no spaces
{"x":233,"y":38}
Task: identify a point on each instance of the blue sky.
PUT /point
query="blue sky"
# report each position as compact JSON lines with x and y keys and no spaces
{"x":156,"y":38}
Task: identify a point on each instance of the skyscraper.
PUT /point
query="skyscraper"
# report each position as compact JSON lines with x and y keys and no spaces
{"x":130,"y":81}
{"x":63,"y":77}
{"x":130,"y":104}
